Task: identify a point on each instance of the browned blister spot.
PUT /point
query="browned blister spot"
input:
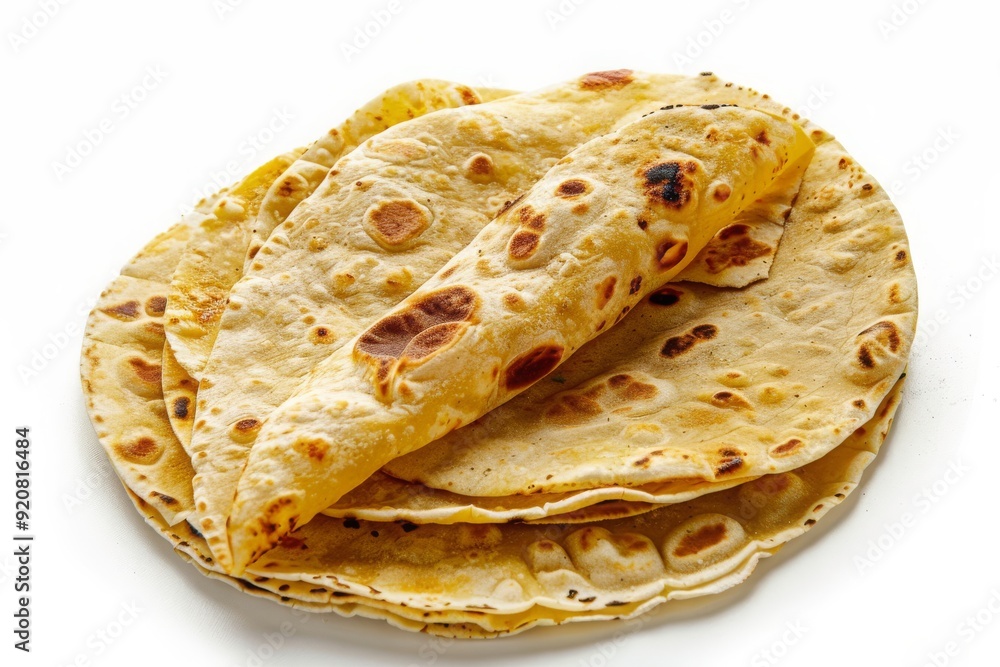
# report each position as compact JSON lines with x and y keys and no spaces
{"x":886,"y":333}
{"x":143,"y":451}
{"x":721,"y":192}
{"x":164,"y":498}
{"x":398,"y":221}
{"x":729,"y":465}
{"x":733,"y":246}
{"x":635,"y":285}
{"x":875,"y":340}
{"x":669,"y":183}
{"x":620,"y":380}
{"x":156,"y":305}
{"x":677,"y":345}
{"x":666,"y":296}
{"x":762,"y":138}
{"x":729,"y":400}
{"x":787,"y":448}
{"x":705,"y":331}
{"x":532,"y":366}
{"x":429,"y":341}
{"x":389,"y":337}
{"x":859,"y":404}
{"x":513,"y":301}
{"x":318,"y":244}
{"x":287,"y":187}
{"x":606,"y":290}
{"x":468,"y":96}
{"x":629,"y":389}
{"x":530,"y":219}
{"x":700,"y":540}
{"x":149,"y":373}
{"x":523,"y":244}
{"x":610,"y":79}
{"x":314,"y":449}
{"x":123,"y":311}
{"x":580,"y":208}
{"x":574,"y":187}
{"x":901,"y":256}
{"x":536,"y":223}
{"x":481,"y":164}
{"x":479,"y":167}
{"x":247,"y":425}
{"x":670,"y":252}
{"x":321,"y":336}
{"x":181,"y":407}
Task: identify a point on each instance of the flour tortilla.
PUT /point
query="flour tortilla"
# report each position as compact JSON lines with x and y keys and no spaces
{"x":385,"y":498}
{"x":464,"y":164}
{"x":510,"y":568}
{"x":213,"y":261}
{"x":797,"y":362}
{"x":228,"y":239}
{"x":615,"y":219}
{"x":120,"y":373}
{"x":483,"y":581}
{"x":821,"y":203}
{"x":242,"y":221}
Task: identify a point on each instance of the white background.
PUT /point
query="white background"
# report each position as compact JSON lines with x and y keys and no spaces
{"x":887,"y":77}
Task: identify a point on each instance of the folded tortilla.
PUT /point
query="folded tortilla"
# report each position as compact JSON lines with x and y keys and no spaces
{"x":226,"y":241}
{"x":613,"y":221}
{"x":344,"y":259}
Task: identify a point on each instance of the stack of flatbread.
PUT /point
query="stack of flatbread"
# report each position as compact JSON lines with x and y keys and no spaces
{"x":477,"y":360}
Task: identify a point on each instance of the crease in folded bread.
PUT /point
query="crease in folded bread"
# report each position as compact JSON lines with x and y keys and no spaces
{"x":476,"y":361}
